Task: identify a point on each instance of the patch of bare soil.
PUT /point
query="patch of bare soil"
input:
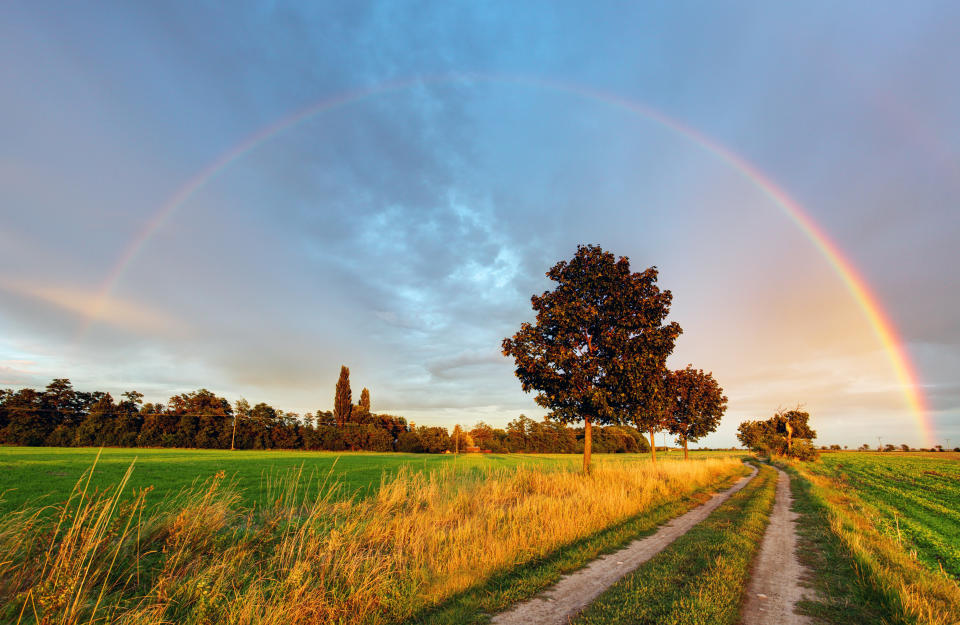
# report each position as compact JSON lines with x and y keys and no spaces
{"x":774,"y":588}
{"x":560,"y":603}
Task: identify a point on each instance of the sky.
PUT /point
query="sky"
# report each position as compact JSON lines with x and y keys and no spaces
{"x":243,"y":196}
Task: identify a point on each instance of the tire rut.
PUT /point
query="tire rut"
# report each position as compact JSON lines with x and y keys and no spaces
{"x":774,"y":587}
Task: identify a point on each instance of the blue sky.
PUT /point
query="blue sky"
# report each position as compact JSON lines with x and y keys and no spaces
{"x":403,"y":233}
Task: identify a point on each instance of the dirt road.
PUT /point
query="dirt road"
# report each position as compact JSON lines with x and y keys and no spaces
{"x":774,"y":587}
{"x":560,"y":603}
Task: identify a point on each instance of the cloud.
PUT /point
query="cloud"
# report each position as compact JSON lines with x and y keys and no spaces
{"x":90,"y":307}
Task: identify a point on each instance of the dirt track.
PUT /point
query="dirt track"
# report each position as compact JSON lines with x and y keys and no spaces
{"x":560,"y":603}
{"x":774,"y":587}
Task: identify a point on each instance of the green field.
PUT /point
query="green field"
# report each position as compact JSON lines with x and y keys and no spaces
{"x":917,"y":498}
{"x":46,"y":475}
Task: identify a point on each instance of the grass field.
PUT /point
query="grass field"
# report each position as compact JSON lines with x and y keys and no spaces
{"x":48,"y":474}
{"x":419,"y":541}
{"x":881,"y":533}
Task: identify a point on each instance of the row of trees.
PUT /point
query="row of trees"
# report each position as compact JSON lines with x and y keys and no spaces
{"x":62,"y":416}
{"x":597,"y":353}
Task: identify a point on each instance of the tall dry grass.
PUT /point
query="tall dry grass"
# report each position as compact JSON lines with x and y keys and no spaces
{"x":203,"y":557}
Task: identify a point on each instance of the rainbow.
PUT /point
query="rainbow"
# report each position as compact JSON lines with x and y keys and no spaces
{"x":876,"y":317}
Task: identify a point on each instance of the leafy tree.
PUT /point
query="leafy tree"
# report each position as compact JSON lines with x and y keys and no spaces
{"x":696,"y":405}
{"x":93,"y":430}
{"x":596,"y":334}
{"x":27,"y":419}
{"x":774,"y":436}
{"x":409,"y":442}
{"x":343,"y":398}
{"x":793,"y":424}
{"x":365,"y":399}
{"x":434,"y":440}
{"x":457,"y":439}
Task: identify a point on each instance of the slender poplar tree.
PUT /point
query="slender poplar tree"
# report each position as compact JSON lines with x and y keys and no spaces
{"x":343,"y":398}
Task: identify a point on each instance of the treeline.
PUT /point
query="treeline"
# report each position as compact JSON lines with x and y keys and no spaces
{"x":61,"y":416}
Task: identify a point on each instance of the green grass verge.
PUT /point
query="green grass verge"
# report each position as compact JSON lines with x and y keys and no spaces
{"x":701,"y":577}
{"x":478,"y":604}
{"x":844,"y":594}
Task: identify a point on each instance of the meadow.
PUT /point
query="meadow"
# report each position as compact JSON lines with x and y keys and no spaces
{"x":417,"y":546}
{"x":46,"y":475}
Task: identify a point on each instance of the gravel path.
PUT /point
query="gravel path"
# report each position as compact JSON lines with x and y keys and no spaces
{"x":560,"y":603}
{"x":774,"y":587}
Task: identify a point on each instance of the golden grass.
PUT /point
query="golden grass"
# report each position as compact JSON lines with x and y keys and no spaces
{"x":202,"y":557}
{"x":924,"y":596}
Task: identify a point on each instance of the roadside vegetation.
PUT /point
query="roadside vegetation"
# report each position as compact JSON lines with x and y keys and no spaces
{"x":879,"y":531}
{"x":701,"y":577}
{"x":205,"y":556}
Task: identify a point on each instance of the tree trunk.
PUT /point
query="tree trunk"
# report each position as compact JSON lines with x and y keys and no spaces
{"x":587,"y":444}
{"x":233,"y":437}
{"x":653,"y":447}
{"x":686,"y":456}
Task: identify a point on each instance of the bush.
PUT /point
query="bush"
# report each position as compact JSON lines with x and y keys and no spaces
{"x":803,"y":450}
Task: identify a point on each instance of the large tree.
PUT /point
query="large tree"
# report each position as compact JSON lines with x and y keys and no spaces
{"x":696,"y":405}
{"x":591,"y":339}
{"x":641,"y":371}
{"x":365,"y":399}
{"x":343,"y":398}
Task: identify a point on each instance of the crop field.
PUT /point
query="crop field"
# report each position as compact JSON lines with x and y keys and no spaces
{"x":883,"y":535}
{"x":917,"y":499}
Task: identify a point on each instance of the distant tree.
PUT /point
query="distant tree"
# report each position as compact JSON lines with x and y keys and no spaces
{"x":343,"y":398}
{"x":775,"y":435}
{"x":365,"y":399}
{"x":696,"y":405}
{"x":93,"y":430}
{"x":241,"y":412}
{"x":409,"y":442}
{"x":378,"y":439}
{"x":588,"y":345}
{"x":27,"y":421}
{"x":904,"y":447}
{"x":434,"y":440}
{"x":456,"y":439}
{"x":864,"y":447}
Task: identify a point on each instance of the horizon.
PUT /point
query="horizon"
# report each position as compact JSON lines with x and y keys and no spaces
{"x":243,"y":199}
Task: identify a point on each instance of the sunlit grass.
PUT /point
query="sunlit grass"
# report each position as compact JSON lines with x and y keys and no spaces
{"x":205,"y":555}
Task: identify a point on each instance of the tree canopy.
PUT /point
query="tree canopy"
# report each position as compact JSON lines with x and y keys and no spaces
{"x":597,"y":336}
{"x":697,"y":404}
